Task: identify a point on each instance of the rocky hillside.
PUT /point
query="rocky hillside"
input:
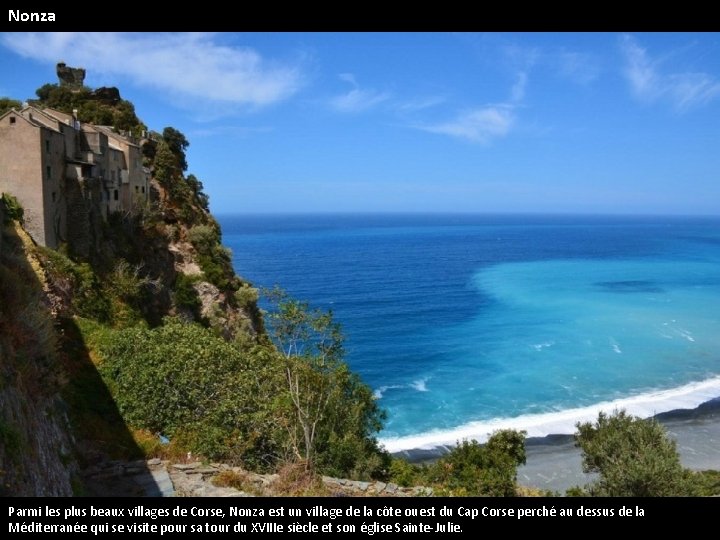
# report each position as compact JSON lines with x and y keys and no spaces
{"x":36,"y":444}
{"x":137,"y":340}
{"x":57,"y":415}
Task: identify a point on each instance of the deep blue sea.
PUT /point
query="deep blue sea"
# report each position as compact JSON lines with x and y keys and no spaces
{"x":463,"y":324}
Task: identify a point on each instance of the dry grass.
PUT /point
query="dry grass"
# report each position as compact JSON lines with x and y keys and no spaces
{"x":296,"y":479}
{"x":239,"y":480}
{"x":151,"y":447}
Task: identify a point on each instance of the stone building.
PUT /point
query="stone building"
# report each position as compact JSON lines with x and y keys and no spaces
{"x":68,"y":175}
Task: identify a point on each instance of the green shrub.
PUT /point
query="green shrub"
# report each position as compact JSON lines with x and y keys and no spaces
{"x":404,"y":473}
{"x":214,"y":259}
{"x":707,"y":483}
{"x":634,"y":457}
{"x":185,"y":294}
{"x":485,"y":470}
{"x":13,"y":210}
{"x":246,"y":295}
{"x":183,"y":381}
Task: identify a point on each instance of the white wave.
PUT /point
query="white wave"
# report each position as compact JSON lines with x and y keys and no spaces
{"x":686,"y":334}
{"x":645,"y":405}
{"x":380,"y":391}
{"x":615,"y":346}
{"x":420,"y":385}
{"x":541,"y":346}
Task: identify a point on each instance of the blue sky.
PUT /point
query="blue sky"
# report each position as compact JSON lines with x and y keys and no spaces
{"x":302,"y":122}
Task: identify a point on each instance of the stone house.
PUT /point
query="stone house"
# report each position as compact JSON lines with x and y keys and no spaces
{"x":68,"y":175}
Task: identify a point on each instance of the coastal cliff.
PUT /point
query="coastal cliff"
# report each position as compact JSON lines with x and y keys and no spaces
{"x":127,"y":336}
{"x":163,"y":258}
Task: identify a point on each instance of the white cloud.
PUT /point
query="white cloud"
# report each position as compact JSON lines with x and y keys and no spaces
{"x":477,"y":125}
{"x":186,"y":65}
{"x":517,"y":92}
{"x":649,"y":83}
{"x":578,"y":67}
{"x":420,"y":104}
{"x":357,"y":99}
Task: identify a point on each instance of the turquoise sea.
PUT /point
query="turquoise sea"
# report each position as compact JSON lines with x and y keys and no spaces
{"x":466,"y":323}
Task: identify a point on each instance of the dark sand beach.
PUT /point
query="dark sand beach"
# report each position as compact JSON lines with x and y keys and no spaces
{"x":554,"y":463}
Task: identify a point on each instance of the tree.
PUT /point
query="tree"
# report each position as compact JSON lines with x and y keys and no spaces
{"x":481,"y":470}
{"x":634,"y":457}
{"x":7,"y":103}
{"x":311,"y":344}
{"x":336,"y":414}
{"x":177,"y":143}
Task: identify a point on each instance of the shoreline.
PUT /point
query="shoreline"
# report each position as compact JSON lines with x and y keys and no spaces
{"x":645,"y":405}
{"x":554,"y":463}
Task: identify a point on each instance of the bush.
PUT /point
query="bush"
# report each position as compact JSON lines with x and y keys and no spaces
{"x":182,"y":381}
{"x":185,"y":294}
{"x":485,"y":470}
{"x":213,"y":258}
{"x":634,"y":457}
{"x":246,"y":295}
{"x":707,"y":483}
{"x":13,"y":210}
{"x":404,"y":473}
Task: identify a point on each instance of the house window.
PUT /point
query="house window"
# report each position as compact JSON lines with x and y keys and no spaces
{"x":143,"y":189}
{"x":115,"y":195}
{"x":54,"y":196}
{"x":112,"y":175}
{"x":137,"y":189}
{"x":48,"y":172}
{"x":47,"y":146}
{"x":12,"y":119}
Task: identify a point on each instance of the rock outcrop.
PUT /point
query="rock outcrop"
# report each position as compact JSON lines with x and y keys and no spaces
{"x":70,"y":76}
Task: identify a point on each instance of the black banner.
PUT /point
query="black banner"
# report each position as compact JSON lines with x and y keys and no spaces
{"x":365,"y":516}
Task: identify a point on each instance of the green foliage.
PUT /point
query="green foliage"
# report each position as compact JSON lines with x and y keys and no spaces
{"x":165,"y":168}
{"x":89,"y":298}
{"x":177,"y":144}
{"x":183,"y":381}
{"x":213,"y":258}
{"x":90,"y":107}
{"x":634,"y":457}
{"x":707,"y":483}
{"x":128,"y":289}
{"x":246,"y":295}
{"x":481,"y":470}
{"x":185,"y":294}
{"x":404,"y":473}
{"x":576,"y":491}
{"x":197,"y":187}
{"x":204,"y":239}
{"x":62,"y":98}
{"x":13,"y":211}
{"x":7,"y":103}
{"x":116,"y":297}
{"x":336,"y":413}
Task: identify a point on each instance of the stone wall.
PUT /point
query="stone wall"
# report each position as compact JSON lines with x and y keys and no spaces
{"x":21,"y":172}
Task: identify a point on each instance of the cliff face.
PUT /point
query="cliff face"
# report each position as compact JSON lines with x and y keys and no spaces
{"x":56,"y":414}
{"x":36,"y":447}
{"x":134,"y":268}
